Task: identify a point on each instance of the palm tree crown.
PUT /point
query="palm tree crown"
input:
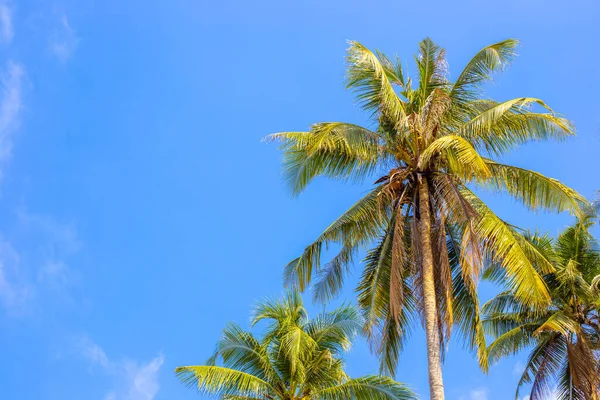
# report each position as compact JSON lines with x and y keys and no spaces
{"x":297,"y":359}
{"x":564,"y":336}
{"x":431,"y":142}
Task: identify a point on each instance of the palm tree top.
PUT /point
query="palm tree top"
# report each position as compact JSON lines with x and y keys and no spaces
{"x":563,"y":336}
{"x":296,"y":358}
{"x":433,"y":141}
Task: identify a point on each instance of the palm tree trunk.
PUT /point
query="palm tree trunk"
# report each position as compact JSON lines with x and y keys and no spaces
{"x":436,"y":385}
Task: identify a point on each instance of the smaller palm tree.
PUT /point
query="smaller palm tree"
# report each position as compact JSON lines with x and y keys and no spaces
{"x":297,"y":359}
{"x":564,"y":337}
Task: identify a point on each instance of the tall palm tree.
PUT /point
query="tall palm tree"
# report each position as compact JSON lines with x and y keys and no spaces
{"x":429,"y":145}
{"x":564,"y":336}
{"x":296,"y":359}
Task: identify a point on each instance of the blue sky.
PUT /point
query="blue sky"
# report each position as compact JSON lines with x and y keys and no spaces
{"x":139,"y":210}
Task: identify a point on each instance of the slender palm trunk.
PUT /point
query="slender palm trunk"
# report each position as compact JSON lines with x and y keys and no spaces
{"x":436,"y":385}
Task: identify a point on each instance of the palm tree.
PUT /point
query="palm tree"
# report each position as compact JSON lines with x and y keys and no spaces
{"x":429,"y":145}
{"x":296,"y":359}
{"x":564,"y":336}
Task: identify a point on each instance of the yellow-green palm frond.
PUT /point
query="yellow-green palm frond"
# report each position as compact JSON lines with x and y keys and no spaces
{"x":393,"y":69}
{"x":220,"y":381}
{"x":386,"y":331}
{"x":565,"y":332}
{"x":510,"y":343}
{"x":333,"y":149}
{"x":279,"y":312}
{"x":461,"y":158}
{"x":499,"y":127}
{"x":559,"y":322}
{"x":533,"y":189}
{"x":330,"y":278}
{"x":466,"y":313}
{"x":576,"y":244}
{"x":335,"y":330}
{"x":502,"y":244}
{"x":367,"y":388}
{"x":480,"y":68}
{"x":360,"y":224}
{"x":297,"y":358}
{"x":369,"y":79}
{"x":241,"y":351}
{"x":432,"y":67}
{"x":543,"y":364}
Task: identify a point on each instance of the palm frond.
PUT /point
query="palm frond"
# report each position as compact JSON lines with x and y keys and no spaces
{"x":499,"y":127}
{"x":213,"y":380}
{"x":360,"y":224}
{"x":480,"y":68}
{"x":533,"y":189}
{"x":241,"y":351}
{"x":367,"y":388}
{"x":333,"y":149}
{"x":369,"y":79}
{"x":462,"y":159}
{"x":502,"y":244}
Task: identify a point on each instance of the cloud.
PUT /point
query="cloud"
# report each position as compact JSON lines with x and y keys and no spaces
{"x":34,"y":271}
{"x":93,"y":353}
{"x":6,"y":25}
{"x":64,"y":42}
{"x":143,"y":379}
{"x":518,"y":368}
{"x":14,"y":292}
{"x":132,"y":380}
{"x":63,"y":238}
{"x":10,"y":106}
{"x":478,"y":394}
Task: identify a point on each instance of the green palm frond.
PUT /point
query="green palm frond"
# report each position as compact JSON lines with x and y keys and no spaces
{"x":330,"y":279}
{"x":503,"y":245}
{"x":499,"y":127}
{"x":543,"y":363}
{"x":463,"y":160}
{"x":369,"y":79}
{"x":213,"y":380}
{"x":360,"y":224}
{"x":241,"y":351}
{"x":297,"y":358}
{"x":488,"y":60}
{"x":432,"y":68}
{"x":335,"y":330}
{"x":559,"y":322}
{"x":467,"y":319}
{"x":563,"y":334}
{"x":533,"y":189}
{"x":367,"y":388}
{"x":334,"y":149}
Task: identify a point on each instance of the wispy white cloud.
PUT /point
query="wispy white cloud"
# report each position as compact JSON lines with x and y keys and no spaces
{"x":143,"y":379}
{"x":132,"y":380}
{"x":34,"y":270}
{"x":10,"y":106}
{"x":14,"y":292}
{"x":65,"y":41}
{"x":63,"y":237}
{"x":478,"y":394}
{"x":6,"y":23}
{"x":93,"y":352}
{"x":518,"y":368}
